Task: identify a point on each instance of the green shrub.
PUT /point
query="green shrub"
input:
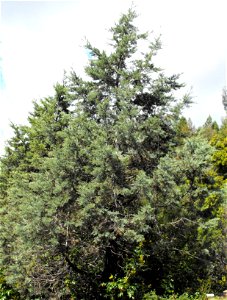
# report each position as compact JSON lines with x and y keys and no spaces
{"x":152,"y":296}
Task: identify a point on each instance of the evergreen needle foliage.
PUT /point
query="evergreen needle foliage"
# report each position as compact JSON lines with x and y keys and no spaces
{"x":101,"y":196}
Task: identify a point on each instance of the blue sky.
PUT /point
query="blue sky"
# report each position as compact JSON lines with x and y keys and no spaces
{"x":41,"y":39}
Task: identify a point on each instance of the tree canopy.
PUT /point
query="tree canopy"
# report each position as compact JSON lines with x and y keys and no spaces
{"x":106,"y":194}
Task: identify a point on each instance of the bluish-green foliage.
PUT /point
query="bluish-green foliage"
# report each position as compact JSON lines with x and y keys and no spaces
{"x":102,"y":196}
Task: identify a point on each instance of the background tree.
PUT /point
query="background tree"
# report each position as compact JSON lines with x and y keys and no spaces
{"x":219,"y":141}
{"x":224,"y":98}
{"x":184,"y":129}
{"x":209,"y":129}
{"x":20,"y":166}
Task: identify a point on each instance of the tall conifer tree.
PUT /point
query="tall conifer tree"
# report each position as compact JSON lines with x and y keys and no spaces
{"x":93,"y":198}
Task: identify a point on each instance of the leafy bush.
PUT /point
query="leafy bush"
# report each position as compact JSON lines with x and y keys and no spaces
{"x":152,"y":296}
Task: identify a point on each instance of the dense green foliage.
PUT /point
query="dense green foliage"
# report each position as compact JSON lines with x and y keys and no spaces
{"x":109,"y":193}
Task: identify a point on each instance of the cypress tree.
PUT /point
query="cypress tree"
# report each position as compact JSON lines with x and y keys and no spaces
{"x":92,"y":198}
